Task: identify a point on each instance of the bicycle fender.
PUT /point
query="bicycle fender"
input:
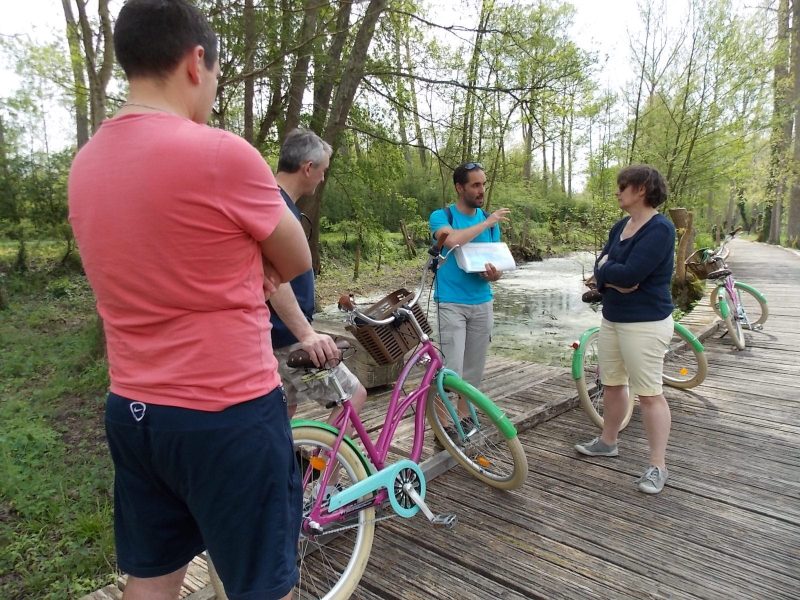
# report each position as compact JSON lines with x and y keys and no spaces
{"x":385,"y":478}
{"x":689,"y":337}
{"x":752,"y":290}
{"x":335,"y":430}
{"x":454,"y":382}
{"x":577,"y":355}
{"x":722,"y":298}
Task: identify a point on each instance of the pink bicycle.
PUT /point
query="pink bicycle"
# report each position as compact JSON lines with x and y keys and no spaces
{"x":348,"y":483}
{"x":740,"y":305}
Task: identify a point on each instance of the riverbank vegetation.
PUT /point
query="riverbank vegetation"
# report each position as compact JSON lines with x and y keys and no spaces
{"x":402,"y":95}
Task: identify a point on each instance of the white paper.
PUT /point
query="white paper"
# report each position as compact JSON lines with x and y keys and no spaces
{"x":473,"y":257}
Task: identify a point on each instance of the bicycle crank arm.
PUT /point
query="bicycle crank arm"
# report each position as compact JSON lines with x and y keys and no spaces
{"x":448,"y":520}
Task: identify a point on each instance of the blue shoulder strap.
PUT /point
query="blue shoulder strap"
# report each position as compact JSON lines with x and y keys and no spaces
{"x":495,"y":228}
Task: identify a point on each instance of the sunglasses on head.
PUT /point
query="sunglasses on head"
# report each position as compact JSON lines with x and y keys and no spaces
{"x":470,"y":166}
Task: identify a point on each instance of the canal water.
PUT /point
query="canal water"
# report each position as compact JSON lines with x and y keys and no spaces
{"x":538,"y":309}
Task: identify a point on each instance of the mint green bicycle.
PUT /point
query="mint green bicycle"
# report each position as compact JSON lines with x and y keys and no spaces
{"x":738,"y":304}
{"x":685,"y":366}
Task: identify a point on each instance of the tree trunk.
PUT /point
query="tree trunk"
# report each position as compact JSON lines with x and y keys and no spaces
{"x":248,"y":15}
{"x":98,"y":68}
{"x":423,"y":155}
{"x":793,"y":225}
{"x":412,"y":251}
{"x":570,"y":134}
{"x":563,"y":144}
{"x":330,"y":68}
{"x":297,"y":86}
{"x":79,"y":80}
{"x":276,"y":79}
{"x":781,"y":134}
{"x":637,"y":107}
{"x":527,"y":137}
{"x":342,"y":103}
{"x":472,"y":81}
{"x":544,"y":155}
{"x":401,"y":100}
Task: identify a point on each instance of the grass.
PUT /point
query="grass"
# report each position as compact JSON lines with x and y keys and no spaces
{"x":55,"y":474}
{"x":56,"y":477}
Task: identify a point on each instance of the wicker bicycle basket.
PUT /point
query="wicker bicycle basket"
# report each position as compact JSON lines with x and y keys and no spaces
{"x":701,"y":263}
{"x":388,"y":343}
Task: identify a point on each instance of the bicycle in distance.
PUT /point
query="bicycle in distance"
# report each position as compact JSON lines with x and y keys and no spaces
{"x":350,"y":483}
{"x":738,"y":304}
{"x":685,"y":365}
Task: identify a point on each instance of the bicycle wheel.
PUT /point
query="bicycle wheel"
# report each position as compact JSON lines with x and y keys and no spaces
{"x":755,"y":310}
{"x":590,"y":388}
{"x":331,"y":563}
{"x":684,"y":365}
{"x":731,"y":318}
{"x":484,"y":451}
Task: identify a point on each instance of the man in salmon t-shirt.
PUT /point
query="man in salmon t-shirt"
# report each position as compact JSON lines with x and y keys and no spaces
{"x":173,"y":220}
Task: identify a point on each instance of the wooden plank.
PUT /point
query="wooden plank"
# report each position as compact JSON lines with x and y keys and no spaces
{"x":726,"y":526}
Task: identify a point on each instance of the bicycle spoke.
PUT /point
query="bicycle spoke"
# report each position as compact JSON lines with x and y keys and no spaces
{"x":332,"y":561}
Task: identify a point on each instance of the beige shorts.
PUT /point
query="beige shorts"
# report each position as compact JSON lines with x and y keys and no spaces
{"x":634,"y":352}
{"x":311,"y":384}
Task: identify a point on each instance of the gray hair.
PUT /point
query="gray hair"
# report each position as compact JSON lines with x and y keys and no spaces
{"x":301,"y":146}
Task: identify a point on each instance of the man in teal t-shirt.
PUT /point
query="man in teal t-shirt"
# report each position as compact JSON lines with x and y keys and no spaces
{"x":465,"y":299}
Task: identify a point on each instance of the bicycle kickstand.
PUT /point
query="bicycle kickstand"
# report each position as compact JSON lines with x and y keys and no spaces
{"x":447,"y":520}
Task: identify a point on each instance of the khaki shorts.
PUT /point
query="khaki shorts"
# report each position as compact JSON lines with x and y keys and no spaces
{"x":311,"y":384}
{"x":634,"y":352}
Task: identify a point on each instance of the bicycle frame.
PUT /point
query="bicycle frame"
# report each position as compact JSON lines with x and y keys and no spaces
{"x":378,"y":451}
{"x":377,"y":487}
{"x":729,"y":285}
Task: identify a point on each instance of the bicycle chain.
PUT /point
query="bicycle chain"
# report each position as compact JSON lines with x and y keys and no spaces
{"x":340,"y":529}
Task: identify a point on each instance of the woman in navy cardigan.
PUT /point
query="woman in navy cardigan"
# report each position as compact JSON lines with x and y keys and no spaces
{"x":633,"y":273}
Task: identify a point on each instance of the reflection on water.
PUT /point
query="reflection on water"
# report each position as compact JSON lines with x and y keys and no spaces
{"x":538,"y":310}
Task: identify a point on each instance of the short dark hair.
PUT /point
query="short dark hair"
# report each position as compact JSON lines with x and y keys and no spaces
{"x":461,"y":172}
{"x":300,"y":146}
{"x":152,"y":36}
{"x":655,"y":186}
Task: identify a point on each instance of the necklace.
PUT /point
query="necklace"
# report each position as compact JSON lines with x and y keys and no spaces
{"x":145,"y":106}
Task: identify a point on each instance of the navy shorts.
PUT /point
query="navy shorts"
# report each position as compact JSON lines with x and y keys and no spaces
{"x":189,"y":480}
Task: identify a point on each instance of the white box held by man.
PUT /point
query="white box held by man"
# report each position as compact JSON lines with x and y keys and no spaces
{"x":473,"y":257}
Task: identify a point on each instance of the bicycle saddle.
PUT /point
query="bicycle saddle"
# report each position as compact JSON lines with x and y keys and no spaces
{"x":719,"y":274}
{"x":299,"y":359}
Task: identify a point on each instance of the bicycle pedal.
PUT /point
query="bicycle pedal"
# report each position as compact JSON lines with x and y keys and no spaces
{"x":448,"y":520}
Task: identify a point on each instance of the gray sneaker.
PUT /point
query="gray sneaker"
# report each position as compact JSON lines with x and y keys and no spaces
{"x":597,"y":447}
{"x":653,"y":480}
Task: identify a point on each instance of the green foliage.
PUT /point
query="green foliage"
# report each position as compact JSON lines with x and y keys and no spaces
{"x":55,"y":474}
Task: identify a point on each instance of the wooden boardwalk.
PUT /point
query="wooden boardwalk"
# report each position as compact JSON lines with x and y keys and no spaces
{"x":726,"y":526}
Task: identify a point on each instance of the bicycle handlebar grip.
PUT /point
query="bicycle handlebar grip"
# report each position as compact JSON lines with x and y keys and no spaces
{"x":299,"y":358}
{"x":346,"y":302}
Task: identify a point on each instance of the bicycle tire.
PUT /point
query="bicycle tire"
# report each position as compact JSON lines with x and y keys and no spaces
{"x":756,"y":308}
{"x":684,"y":365}
{"x":314,"y":582}
{"x":590,"y":388}
{"x":732,"y":322}
{"x":487,"y":454}
{"x":316,"y":555}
